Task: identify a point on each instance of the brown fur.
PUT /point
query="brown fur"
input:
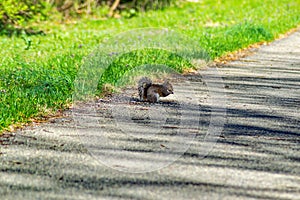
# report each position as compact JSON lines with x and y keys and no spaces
{"x":151,"y":92}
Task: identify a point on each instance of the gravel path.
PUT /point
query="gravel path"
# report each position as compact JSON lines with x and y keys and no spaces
{"x":232,"y":138}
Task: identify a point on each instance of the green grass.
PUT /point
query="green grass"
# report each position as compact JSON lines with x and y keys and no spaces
{"x":37,"y":73}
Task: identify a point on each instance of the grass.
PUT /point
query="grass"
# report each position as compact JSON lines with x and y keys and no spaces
{"x":37,"y":73}
{"x":123,"y":63}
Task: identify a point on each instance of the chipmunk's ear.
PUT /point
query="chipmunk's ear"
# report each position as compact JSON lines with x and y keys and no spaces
{"x":166,"y":81}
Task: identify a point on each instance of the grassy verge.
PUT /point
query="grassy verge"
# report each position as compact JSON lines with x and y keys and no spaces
{"x":37,"y":72}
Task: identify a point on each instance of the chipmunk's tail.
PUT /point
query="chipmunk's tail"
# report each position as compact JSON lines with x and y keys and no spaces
{"x":143,"y":85}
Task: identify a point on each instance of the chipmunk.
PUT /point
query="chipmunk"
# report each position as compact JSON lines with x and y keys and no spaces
{"x":151,"y":92}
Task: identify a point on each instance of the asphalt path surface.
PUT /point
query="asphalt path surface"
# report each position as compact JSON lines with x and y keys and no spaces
{"x":227,"y":133}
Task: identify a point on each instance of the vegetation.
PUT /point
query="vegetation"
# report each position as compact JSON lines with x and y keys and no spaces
{"x":14,"y":13}
{"x":37,"y":72}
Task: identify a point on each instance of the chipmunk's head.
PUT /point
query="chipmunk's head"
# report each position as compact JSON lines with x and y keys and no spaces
{"x":168,"y":88}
